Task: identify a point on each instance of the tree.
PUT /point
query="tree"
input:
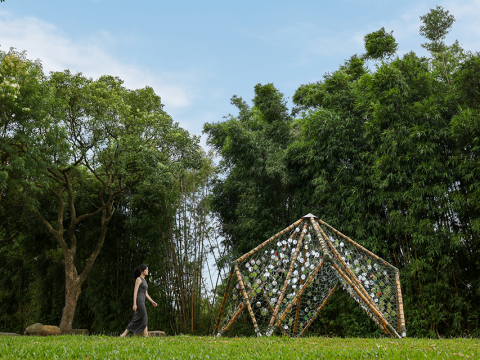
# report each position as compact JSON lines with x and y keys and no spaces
{"x":22,"y":97}
{"x":380,"y":44}
{"x":254,"y":196}
{"x":94,"y":135}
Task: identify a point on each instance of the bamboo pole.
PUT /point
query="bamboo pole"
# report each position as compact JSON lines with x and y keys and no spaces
{"x":270,"y":306}
{"x":359,"y":293}
{"x":234,"y":318}
{"x":371,"y":315}
{"x":402,"y":327}
{"x":243,"y":257}
{"x":353,"y":277}
{"x":326,"y":253}
{"x":289,"y":275}
{"x":245,"y":296}
{"x":312,"y":319}
{"x":299,"y":294}
{"x":357,"y":245}
{"x":224,"y":299}
{"x":195,"y":253}
{"x":297,"y":313}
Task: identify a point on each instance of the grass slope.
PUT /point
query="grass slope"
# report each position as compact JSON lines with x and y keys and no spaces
{"x":187,"y":347}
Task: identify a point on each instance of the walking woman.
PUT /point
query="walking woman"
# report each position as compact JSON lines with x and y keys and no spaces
{"x":139,"y":322}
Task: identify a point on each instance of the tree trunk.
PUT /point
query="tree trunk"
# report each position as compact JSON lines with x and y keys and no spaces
{"x":72,"y":291}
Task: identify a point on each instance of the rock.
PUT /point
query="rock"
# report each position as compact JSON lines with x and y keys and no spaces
{"x":34,"y":330}
{"x":156,"y":333}
{"x":75,"y":332}
{"x":8,"y":334}
{"x":50,"y":330}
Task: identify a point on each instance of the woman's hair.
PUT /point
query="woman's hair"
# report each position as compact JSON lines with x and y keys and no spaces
{"x":138,"y":270}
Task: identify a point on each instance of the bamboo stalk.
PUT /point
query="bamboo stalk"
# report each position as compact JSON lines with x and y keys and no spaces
{"x":270,"y":306}
{"x":297,"y":313}
{"x":357,"y":245}
{"x":299,"y":294}
{"x":353,"y":277}
{"x":370,"y":314}
{"x":243,"y":257}
{"x":234,"y":318}
{"x":245,"y":296}
{"x":312,"y":319}
{"x":289,"y":275}
{"x":359,"y":293}
{"x":326,"y":253}
{"x":195,"y":253}
{"x":400,"y":306}
{"x":224,"y":299}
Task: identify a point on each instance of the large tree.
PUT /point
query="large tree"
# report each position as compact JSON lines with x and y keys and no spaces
{"x":82,"y":138}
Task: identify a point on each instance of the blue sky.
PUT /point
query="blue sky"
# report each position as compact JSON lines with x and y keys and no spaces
{"x":197,"y":54}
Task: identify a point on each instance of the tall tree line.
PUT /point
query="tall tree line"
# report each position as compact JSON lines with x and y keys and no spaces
{"x":388,"y":155}
{"x":95,"y":179}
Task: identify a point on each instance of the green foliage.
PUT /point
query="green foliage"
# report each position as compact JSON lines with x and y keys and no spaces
{"x":380,"y":45}
{"x":74,"y":151}
{"x":254,"y":142}
{"x":436,"y":26}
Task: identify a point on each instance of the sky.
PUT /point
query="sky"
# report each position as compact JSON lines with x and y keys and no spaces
{"x":198,"y":54}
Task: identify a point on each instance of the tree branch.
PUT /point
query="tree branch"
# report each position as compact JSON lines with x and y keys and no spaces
{"x":73,"y":214}
{"x":101,"y":238}
{"x":55,"y":233}
{"x":11,"y":238}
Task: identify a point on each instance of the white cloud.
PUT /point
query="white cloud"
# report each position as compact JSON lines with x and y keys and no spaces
{"x":57,"y":52}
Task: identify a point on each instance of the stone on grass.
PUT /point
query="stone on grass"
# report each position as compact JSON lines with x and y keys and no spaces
{"x":34,"y":330}
{"x":8,"y":334}
{"x":50,"y":330}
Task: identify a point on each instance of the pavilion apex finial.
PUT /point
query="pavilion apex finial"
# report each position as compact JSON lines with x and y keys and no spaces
{"x":308,"y":216}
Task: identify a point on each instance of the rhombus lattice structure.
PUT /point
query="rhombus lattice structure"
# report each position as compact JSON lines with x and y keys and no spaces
{"x":284,"y":283}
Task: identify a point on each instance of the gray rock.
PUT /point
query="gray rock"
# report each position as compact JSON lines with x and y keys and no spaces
{"x":34,"y":329}
{"x":8,"y":334}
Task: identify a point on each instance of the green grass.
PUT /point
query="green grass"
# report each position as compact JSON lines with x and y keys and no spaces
{"x":187,"y":347}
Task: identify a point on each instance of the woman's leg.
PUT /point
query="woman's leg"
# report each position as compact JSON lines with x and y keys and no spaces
{"x":125,"y":333}
{"x":145,"y":332}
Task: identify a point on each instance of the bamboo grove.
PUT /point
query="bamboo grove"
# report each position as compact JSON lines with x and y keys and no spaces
{"x":385,"y":149}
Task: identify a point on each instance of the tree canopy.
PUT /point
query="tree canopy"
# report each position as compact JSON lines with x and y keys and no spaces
{"x":66,"y":138}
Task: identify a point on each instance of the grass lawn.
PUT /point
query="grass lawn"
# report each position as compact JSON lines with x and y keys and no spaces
{"x":189,"y":347}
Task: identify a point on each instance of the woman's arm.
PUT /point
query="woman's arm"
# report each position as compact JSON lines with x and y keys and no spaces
{"x":137,"y":284}
{"x":150,"y":299}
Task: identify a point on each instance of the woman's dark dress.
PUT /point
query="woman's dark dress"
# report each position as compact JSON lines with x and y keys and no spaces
{"x":140,"y":318}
